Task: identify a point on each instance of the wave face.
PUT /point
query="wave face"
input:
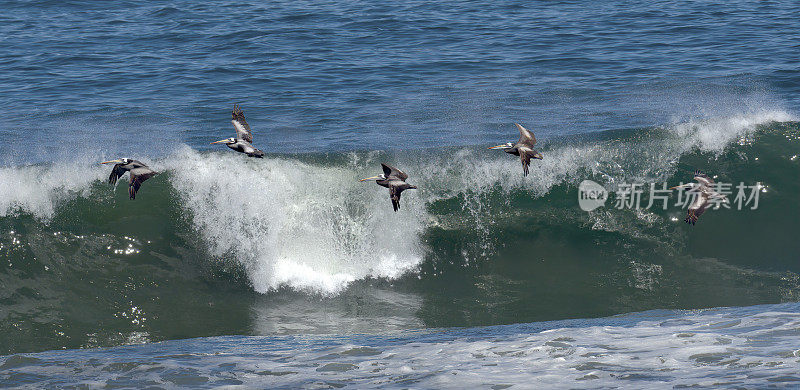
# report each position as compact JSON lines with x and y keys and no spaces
{"x":752,"y":347}
{"x":477,"y":244}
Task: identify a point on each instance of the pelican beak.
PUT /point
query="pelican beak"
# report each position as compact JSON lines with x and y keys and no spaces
{"x":371,"y":178}
{"x":218,"y":142}
{"x":672,"y":188}
{"x":498,"y":146}
{"x":117,"y":161}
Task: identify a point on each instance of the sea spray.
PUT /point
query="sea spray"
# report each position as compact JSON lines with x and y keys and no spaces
{"x":309,"y":227}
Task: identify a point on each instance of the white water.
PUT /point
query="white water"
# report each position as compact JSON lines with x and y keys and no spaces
{"x":37,"y":190}
{"x":308,"y":227}
{"x":715,"y":133}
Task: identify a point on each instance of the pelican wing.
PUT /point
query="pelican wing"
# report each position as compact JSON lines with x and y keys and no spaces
{"x":138,"y":176}
{"x":250,"y":150}
{"x":242,"y":128}
{"x":525,"y":155}
{"x":697,"y":208}
{"x":703,"y":179}
{"x":116,"y":173}
{"x":394,"y":194}
{"x":525,"y":136}
{"x":396,"y":187}
{"x":390,"y":171}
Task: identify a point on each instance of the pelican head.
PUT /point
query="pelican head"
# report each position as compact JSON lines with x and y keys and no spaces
{"x":123,"y":161}
{"x":226,"y":141}
{"x":379,"y":177}
{"x":507,"y":145}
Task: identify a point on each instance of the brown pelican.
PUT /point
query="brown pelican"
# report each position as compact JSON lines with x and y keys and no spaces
{"x":139,"y":173}
{"x":244,"y":137}
{"x":523,"y":148}
{"x":395,"y":180}
{"x":704,"y":192}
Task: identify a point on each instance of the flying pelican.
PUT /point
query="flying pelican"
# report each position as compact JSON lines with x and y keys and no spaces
{"x":704,"y":194}
{"x":244,"y":137}
{"x":523,"y":148}
{"x":139,"y":173}
{"x":395,"y":180}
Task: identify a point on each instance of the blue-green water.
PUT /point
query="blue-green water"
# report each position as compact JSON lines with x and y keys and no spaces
{"x":294,"y":250}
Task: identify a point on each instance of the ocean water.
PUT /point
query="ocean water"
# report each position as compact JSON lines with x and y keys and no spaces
{"x":288,"y":271}
{"x":747,"y":347}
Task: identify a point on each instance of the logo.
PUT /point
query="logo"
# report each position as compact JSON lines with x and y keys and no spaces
{"x":591,"y":195}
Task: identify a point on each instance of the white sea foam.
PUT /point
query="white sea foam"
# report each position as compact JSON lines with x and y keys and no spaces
{"x":37,"y":190}
{"x":317,"y":228}
{"x":715,"y":133}
{"x":309,"y":227}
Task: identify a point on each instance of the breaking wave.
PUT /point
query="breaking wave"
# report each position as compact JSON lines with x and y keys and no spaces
{"x":305,"y":221}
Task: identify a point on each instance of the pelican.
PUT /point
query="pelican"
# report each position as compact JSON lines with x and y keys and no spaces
{"x":139,"y":173}
{"x":244,"y":137}
{"x":395,"y":180}
{"x":705,"y":193}
{"x":523,"y":148}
